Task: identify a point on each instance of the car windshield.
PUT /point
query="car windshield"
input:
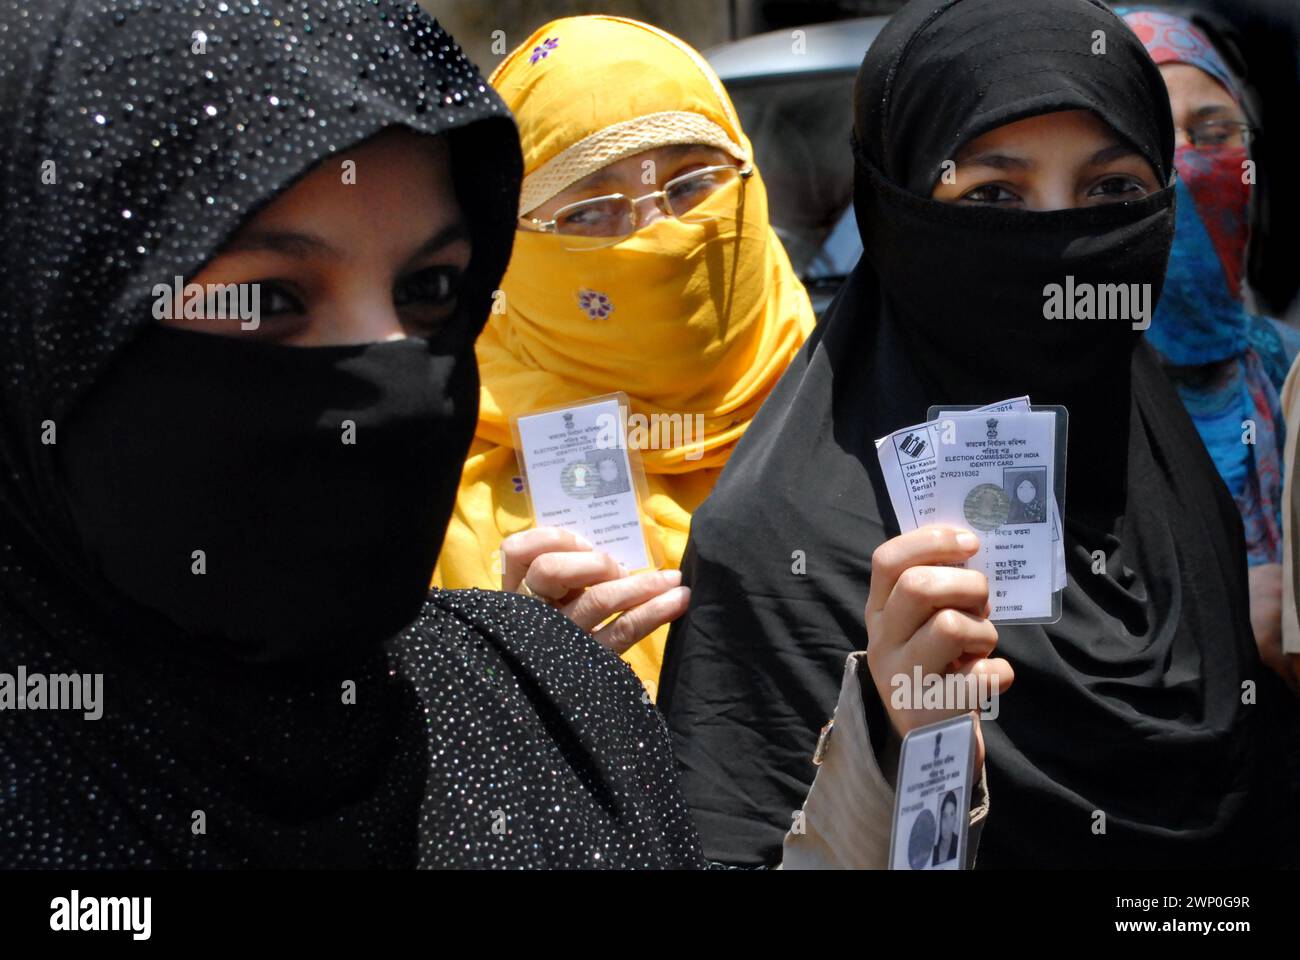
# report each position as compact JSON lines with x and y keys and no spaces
{"x":800,"y":130}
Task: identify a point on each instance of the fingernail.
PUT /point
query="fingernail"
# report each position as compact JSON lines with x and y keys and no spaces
{"x":671,"y":577}
{"x":968,"y":541}
{"x":583,"y":542}
{"x":622,"y":570}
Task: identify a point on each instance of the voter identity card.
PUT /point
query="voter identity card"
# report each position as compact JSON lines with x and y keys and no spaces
{"x":940,"y":414}
{"x":997,"y":470}
{"x":936,"y":771}
{"x":580,"y":475}
{"x":996,"y":478}
{"x":907,"y":458}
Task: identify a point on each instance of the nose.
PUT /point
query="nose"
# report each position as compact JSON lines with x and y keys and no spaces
{"x":369,"y":319}
{"x":1053,"y":190}
{"x":649,"y":209}
{"x":1058,"y":198}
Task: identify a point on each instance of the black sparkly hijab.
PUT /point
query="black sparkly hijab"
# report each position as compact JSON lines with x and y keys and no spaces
{"x":135,"y":137}
{"x":1134,"y":705}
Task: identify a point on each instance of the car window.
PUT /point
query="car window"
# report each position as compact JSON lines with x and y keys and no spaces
{"x":800,"y":131}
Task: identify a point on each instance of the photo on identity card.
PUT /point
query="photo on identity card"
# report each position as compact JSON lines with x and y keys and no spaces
{"x":1026,"y":492}
{"x":932,"y":801}
{"x":581,"y":475}
{"x":1000,"y":471}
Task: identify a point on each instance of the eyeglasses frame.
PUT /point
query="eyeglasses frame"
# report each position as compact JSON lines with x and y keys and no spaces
{"x":659,"y":196}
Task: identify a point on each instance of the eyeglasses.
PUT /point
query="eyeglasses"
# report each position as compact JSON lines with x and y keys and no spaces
{"x":1213,"y":134}
{"x":605,"y":221}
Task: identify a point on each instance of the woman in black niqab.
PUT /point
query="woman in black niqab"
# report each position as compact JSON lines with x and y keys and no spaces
{"x":179,"y":515}
{"x":1136,"y":732}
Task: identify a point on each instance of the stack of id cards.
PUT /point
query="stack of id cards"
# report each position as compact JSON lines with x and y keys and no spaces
{"x":998,"y":470}
{"x":580,"y":474}
{"x":936,"y":771}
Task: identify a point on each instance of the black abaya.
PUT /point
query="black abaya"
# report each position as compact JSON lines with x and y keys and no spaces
{"x":261,"y":714}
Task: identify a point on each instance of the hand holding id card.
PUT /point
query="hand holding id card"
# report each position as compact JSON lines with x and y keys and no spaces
{"x":936,"y":771}
{"x":580,"y":475}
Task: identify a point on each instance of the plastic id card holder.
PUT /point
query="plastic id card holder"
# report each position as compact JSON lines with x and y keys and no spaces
{"x":1000,"y":471}
{"x":936,"y":772}
{"x":581,"y":475}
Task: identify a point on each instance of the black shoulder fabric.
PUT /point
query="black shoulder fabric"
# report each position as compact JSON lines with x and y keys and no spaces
{"x":1132,"y":704}
{"x":547,"y":753}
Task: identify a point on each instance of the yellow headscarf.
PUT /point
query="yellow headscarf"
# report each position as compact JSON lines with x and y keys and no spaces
{"x":686,"y":318}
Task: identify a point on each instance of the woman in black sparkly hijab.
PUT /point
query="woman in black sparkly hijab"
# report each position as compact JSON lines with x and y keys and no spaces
{"x":207,"y":543}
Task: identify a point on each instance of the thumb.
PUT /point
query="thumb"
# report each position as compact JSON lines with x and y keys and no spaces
{"x":997,"y":673}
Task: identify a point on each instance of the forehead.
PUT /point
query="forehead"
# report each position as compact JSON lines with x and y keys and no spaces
{"x":1191,"y":87}
{"x":631,"y":166}
{"x":1079,"y":128}
{"x":379,"y":200}
{"x":385,"y":166}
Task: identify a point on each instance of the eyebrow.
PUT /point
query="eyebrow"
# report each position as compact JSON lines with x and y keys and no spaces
{"x":998,"y":161}
{"x":676,"y":151}
{"x":302,"y":246}
{"x":594,"y":181}
{"x":1114,"y":152}
{"x":1212,"y":110}
{"x":1002,"y":161}
{"x":451,"y":233}
{"x":287,"y":242}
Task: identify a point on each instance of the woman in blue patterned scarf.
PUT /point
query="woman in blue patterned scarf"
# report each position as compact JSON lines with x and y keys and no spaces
{"x":1227,"y":363}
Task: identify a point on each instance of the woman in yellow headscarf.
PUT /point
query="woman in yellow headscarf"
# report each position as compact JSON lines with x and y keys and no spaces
{"x":685,"y":301}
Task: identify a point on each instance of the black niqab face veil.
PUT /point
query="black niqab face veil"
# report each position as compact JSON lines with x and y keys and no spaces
{"x":939,"y":76}
{"x":136,"y":139}
{"x":139,"y":139}
{"x":1132,"y":704}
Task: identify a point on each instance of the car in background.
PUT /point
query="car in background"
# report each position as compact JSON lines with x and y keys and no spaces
{"x":793,"y":90}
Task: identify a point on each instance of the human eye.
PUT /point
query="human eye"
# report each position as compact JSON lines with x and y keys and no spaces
{"x":276,"y":298}
{"x":693,"y":183}
{"x":1217,"y":133}
{"x":1212,"y":133}
{"x":1117,"y":187}
{"x":989,"y":193}
{"x":586,"y":215}
{"x":434,"y":285}
{"x":428,"y":297}
{"x":604,"y":217}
